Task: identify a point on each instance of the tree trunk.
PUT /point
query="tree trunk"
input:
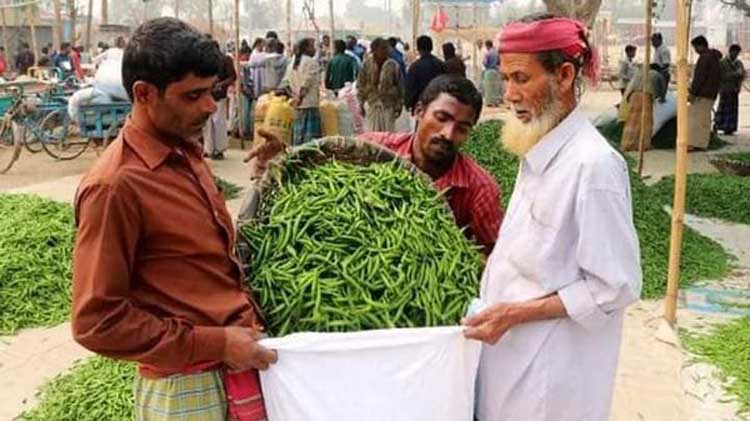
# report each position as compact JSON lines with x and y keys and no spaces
{"x":105,"y":12}
{"x":32,"y":27}
{"x":89,"y":18}
{"x":177,"y":9}
{"x":583,"y":10}
{"x":57,"y":34}
{"x":73,"y":21}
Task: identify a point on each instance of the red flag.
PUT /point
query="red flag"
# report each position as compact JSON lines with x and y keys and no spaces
{"x":439,"y":20}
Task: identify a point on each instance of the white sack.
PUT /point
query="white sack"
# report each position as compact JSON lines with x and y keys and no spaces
{"x":395,"y":374}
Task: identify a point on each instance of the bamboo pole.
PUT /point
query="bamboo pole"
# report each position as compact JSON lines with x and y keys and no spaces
{"x":414,"y":24}
{"x":238,"y":83}
{"x":645,"y":83}
{"x":290,"y":37}
{"x":32,"y":27}
{"x":73,"y":14}
{"x":89,"y":20}
{"x":680,"y":185}
{"x":5,"y":35}
{"x":177,"y":9}
{"x":333,"y":29}
{"x":57,"y":34}
{"x":474,"y":51}
{"x":105,"y":12}
{"x":211,"y":17}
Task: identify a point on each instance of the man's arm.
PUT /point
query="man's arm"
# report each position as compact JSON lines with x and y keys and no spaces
{"x":700,"y":75}
{"x":410,"y":97}
{"x":104,"y":319}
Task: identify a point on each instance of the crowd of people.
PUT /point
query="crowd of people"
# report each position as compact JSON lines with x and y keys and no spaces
{"x":714,"y":76}
{"x":388,"y":75}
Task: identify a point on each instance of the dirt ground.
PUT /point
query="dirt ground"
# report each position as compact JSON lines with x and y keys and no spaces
{"x":656,"y":380}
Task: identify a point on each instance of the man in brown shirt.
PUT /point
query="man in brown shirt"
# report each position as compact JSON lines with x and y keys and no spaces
{"x":156,"y":279}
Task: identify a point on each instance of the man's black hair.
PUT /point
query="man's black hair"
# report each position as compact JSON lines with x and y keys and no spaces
{"x":378,"y":43}
{"x":393,"y":41}
{"x":64,"y":45}
{"x":424,"y":44}
{"x":488,"y":43}
{"x":456,"y":86}
{"x":272,"y":34}
{"x":630,"y":47}
{"x":699,"y":41}
{"x":449,"y":50}
{"x":165,"y":50}
{"x":339,"y":46}
{"x":735,"y":47}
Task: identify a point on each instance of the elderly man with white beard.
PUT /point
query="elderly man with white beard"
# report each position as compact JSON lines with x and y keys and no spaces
{"x":567,"y":261}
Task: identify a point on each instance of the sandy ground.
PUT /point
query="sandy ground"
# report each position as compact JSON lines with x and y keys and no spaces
{"x":656,"y":379}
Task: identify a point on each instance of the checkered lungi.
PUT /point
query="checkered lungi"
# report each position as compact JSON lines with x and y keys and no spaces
{"x":307,"y":126}
{"x":184,"y":397}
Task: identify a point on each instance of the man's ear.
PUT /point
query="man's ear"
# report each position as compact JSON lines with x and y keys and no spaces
{"x":143,"y":92}
{"x":419,"y":110}
{"x":566,"y":77}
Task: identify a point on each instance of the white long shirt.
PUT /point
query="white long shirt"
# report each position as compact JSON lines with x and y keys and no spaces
{"x":569,"y":229}
{"x":662,"y":56}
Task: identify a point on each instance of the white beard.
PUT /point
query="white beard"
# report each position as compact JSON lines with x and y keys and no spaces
{"x":519,"y":137}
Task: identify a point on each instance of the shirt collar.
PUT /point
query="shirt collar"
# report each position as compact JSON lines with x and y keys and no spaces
{"x":151,"y":149}
{"x":540,"y":156}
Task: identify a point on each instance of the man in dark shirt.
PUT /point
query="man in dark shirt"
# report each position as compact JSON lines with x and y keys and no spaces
{"x":24,"y":59}
{"x":62,"y":60}
{"x":420,"y":73}
{"x":703,"y":92}
{"x":397,"y":55}
{"x":341,"y":69}
{"x":454,"y":65}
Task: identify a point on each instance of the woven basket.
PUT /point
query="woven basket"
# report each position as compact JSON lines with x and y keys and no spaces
{"x":318,"y":152}
{"x":731,"y":167}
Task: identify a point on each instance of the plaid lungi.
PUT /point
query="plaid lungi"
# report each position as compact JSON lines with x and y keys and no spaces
{"x":728,"y":113}
{"x":631,"y":133}
{"x":184,"y":397}
{"x":307,"y":126}
{"x":492,"y":86}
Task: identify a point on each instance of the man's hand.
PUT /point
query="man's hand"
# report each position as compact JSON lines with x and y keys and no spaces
{"x":490,"y":324}
{"x":264,"y":152}
{"x":242,"y":351}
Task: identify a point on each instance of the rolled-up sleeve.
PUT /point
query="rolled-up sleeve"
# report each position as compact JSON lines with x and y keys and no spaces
{"x":104,"y":318}
{"x":608,"y":256}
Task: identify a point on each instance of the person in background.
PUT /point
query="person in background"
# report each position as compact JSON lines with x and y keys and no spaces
{"x":156,"y":279}
{"x":341,"y":69}
{"x":567,"y":261}
{"x":351,"y":50}
{"x":324,"y":50}
{"x":62,"y":60}
{"x":454,"y":65}
{"x":447,"y":110}
{"x":75,"y":62}
{"x":409,"y":55}
{"x":426,"y":68}
{"x":245,"y":51}
{"x":635,"y":100}
{"x":662,"y":57}
{"x":112,"y":53}
{"x":379,"y":88}
{"x":492,"y":84}
{"x":272,"y":35}
{"x":274,"y":66}
{"x":215,"y":140}
{"x":44,"y":59}
{"x":627,"y":68}
{"x":24,"y":58}
{"x":3,"y":62}
{"x":305,"y":86}
{"x":703,"y":92}
{"x":732,"y":76}
{"x":397,"y":55}
{"x":256,"y":65}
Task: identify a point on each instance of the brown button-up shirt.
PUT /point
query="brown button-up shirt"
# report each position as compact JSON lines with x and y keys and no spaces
{"x":155,"y":275}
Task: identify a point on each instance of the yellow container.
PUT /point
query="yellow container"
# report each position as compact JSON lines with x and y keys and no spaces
{"x":259,"y":116}
{"x":329,"y":116}
{"x":279,"y":118}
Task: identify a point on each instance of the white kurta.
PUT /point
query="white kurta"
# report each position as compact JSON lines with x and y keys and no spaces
{"x":569,"y":229}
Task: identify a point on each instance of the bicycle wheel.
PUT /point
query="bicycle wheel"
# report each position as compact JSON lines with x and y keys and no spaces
{"x":10,"y":146}
{"x":62,"y":138}
{"x":32,"y":133}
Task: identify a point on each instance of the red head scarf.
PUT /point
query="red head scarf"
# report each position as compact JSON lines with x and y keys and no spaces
{"x":557,"y":34}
